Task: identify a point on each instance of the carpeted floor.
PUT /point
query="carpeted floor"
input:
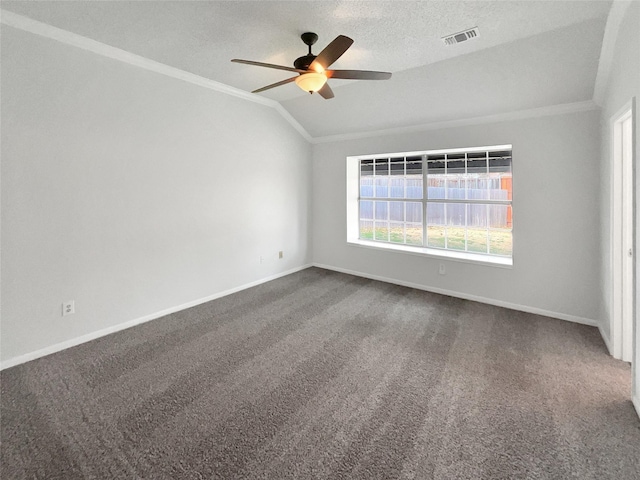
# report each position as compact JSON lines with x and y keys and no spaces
{"x":325,"y":375}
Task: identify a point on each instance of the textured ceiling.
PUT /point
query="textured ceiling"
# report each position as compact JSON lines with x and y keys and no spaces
{"x":529,"y":53}
{"x":547,"y":69}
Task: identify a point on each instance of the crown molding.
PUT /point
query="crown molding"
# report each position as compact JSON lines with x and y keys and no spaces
{"x":614,"y":20}
{"x":560,"y":109}
{"x":69,"y":38}
{"x":294,"y":123}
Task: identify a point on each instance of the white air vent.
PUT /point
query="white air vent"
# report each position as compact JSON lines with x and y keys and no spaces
{"x":461,"y":36}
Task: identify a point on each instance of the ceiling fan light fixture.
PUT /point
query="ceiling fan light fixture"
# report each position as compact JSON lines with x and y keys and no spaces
{"x":311,"y":81}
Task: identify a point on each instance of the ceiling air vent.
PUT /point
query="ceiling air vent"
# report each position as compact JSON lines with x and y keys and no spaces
{"x":461,"y":36}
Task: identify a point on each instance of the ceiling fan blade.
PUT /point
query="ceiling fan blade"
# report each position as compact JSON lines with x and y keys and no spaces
{"x":273,"y":85}
{"x":268,"y":65}
{"x":357,"y":74}
{"x":331,"y":53}
{"x":326,"y":92}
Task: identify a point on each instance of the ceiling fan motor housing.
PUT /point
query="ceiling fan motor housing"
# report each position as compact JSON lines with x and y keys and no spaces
{"x":303,"y":62}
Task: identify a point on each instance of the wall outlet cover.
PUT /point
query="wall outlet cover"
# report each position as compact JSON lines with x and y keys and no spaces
{"x":68,"y":308}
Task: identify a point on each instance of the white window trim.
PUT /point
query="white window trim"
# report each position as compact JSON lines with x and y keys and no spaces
{"x":353,"y":217}
{"x":464,"y":257}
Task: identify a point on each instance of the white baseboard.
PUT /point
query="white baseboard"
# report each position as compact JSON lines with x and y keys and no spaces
{"x":11,"y":362}
{"x":475,"y":298}
{"x":636,"y":404}
{"x":607,"y":340}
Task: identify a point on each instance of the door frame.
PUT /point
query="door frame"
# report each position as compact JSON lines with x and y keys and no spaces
{"x":623,"y":211}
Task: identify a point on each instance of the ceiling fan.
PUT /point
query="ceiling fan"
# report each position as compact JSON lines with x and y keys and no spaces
{"x":313,"y":70}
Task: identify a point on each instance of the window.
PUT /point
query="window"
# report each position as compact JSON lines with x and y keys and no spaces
{"x":438,"y":202}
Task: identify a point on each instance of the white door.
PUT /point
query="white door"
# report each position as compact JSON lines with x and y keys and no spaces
{"x":623,"y":237}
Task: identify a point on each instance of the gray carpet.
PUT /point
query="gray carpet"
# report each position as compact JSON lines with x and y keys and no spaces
{"x":326,"y":375}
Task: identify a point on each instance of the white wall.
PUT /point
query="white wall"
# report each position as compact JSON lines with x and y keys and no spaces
{"x":131,"y":192}
{"x":624,"y":84}
{"x":555,"y":213}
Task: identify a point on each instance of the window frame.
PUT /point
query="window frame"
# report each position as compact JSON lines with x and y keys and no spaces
{"x":354,"y":215}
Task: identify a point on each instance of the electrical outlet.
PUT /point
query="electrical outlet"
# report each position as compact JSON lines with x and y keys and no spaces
{"x":442,"y":270}
{"x":280,"y":254}
{"x":68,"y":308}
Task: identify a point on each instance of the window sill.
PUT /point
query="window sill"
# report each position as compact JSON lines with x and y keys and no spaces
{"x":465,"y":257}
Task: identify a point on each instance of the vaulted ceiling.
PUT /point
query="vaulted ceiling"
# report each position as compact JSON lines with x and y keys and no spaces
{"x":529,"y":53}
